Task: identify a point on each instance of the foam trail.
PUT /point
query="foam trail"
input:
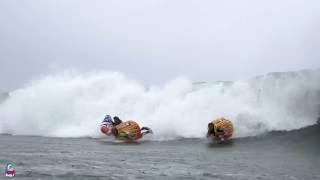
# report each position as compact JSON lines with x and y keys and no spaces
{"x":72,"y":104}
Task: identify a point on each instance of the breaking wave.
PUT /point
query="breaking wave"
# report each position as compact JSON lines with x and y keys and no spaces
{"x":72,"y":104}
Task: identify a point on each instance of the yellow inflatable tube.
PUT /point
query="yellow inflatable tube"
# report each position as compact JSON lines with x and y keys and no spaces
{"x":221,"y":129}
{"x":129,"y":130}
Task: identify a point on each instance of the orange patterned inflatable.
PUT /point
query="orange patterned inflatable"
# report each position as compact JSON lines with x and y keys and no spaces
{"x":129,"y":130}
{"x":222,"y":129}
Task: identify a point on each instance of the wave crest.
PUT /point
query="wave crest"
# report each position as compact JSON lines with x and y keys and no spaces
{"x":72,"y":104}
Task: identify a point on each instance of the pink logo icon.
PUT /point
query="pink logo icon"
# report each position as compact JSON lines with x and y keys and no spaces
{"x":10,"y":170}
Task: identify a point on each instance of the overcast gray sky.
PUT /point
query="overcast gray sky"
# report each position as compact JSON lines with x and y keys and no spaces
{"x":154,"y":41}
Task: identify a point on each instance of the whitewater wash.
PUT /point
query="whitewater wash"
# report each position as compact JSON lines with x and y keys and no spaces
{"x":72,"y":104}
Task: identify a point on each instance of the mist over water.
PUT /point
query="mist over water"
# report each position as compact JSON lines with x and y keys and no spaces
{"x":72,"y":104}
{"x":211,"y":40}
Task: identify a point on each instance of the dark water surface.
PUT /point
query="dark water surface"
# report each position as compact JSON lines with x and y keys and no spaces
{"x":279,"y":155}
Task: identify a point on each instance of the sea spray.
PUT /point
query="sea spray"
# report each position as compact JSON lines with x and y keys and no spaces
{"x":72,"y":104}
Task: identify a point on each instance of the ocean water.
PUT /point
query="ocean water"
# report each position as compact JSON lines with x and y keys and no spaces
{"x":277,"y":155}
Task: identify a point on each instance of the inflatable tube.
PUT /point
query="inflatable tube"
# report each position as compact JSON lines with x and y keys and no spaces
{"x":129,"y":130}
{"x":222,"y":129}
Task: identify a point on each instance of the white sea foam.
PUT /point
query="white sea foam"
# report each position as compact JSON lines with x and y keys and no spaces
{"x":72,"y":104}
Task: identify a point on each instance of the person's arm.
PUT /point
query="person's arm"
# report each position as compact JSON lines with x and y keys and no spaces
{"x":220,"y":131}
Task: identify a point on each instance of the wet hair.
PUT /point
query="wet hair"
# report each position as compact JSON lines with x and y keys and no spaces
{"x":107,"y":118}
{"x":117,"y":120}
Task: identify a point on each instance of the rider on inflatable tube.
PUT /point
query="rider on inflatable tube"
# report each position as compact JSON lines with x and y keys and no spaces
{"x":129,"y":130}
{"x":220,"y":129}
